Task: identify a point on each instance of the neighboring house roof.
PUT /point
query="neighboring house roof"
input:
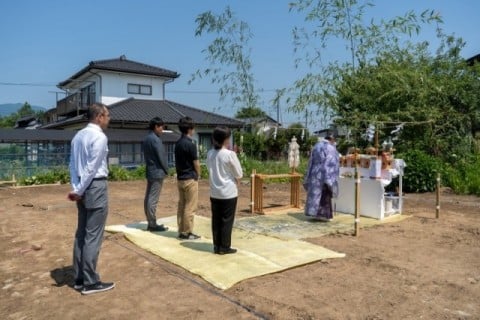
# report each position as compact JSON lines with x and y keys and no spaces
{"x":26,"y":121}
{"x":137,"y":110}
{"x":324,"y":132}
{"x":114,"y":135}
{"x":256,"y":120}
{"x":122,"y":64}
{"x":142,"y":111}
{"x":62,"y":122}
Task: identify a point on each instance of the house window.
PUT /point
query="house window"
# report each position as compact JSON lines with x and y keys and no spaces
{"x":87,"y":95}
{"x":170,"y":154}
{"x":204,"y":144}
{"x":139,"y":89}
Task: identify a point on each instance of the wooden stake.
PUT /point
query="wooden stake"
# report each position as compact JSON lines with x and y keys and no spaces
{"x":252,"y":190}
{"x":437,"y":210}
{"x":357,"y":199}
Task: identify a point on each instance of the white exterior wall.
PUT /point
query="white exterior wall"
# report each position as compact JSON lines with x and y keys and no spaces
{"x":114,"y":87}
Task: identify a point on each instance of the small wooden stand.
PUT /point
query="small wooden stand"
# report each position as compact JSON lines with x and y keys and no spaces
{"x":257,"y":181}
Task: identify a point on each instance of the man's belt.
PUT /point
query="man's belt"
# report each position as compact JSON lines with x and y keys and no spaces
{"x":97,"y":179}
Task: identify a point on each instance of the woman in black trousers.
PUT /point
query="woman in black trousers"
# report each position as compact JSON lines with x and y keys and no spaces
{"x":224,"y":172}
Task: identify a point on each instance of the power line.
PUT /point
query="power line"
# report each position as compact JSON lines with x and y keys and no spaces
{"x":33,"y":84}
{"x":216,"y":92}
{"x":26,"y":84}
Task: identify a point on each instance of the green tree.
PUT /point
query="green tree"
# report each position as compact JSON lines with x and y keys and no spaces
{"x":8,"y":121}
{"x":342,"y":20}
{"x":253,"y":144}
{"x":250,"y":112}
{"x":229,"y":57}
{"x":438,"y":97}
{"x":26,"y":110}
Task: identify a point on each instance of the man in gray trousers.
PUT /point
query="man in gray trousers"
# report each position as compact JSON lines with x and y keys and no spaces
{"x":88,"y":176}
{"x":156,"y":170}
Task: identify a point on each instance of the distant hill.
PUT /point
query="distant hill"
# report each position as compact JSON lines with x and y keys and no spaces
{"x":9,"y":108}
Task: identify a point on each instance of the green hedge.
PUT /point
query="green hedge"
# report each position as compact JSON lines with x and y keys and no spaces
{"x":421,"y":171}
{"x":55,"y":175}
{"x":463,"y":176}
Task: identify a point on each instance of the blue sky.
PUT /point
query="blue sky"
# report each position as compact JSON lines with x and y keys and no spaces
{"x":45,"y":42}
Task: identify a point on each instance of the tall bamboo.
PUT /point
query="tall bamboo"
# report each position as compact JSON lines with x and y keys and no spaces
{"x":357,"y":198}
{"x":437,"y":208}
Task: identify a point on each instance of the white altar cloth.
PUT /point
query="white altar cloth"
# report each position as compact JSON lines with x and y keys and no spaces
{"x":373,"y":201}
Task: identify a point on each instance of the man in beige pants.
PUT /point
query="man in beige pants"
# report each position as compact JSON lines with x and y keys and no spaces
{"x":188,"y":172}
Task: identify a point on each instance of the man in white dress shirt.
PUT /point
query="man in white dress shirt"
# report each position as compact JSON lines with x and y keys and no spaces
{"x":88,"y":176}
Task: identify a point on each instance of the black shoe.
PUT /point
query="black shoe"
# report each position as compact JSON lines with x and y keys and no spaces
{"x":98,"y":287}
{"x":78,"y":285}
{"x":157,"y":228}
{"x":190,"y":236}
{"x":226,"y":251}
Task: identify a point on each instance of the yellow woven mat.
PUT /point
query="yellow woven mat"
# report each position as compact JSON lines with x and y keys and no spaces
{"x":257,"y":254}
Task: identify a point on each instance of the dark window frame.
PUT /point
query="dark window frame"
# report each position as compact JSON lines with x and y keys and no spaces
{"x":88,"y":95}
{"x":133,"y":88}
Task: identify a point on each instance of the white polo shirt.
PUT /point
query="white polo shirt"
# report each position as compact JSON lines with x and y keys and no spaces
{"x":223,"y":170}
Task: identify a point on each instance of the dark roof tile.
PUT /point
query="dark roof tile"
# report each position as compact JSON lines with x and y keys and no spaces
{"x":122,"y":64}
{"x":137,"y":110}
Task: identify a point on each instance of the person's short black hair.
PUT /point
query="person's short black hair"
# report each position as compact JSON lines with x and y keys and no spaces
{"x":157,"y":121}
{"x":185,"y":124}
{"x":220,"y":134}
{"x":95,"y":110}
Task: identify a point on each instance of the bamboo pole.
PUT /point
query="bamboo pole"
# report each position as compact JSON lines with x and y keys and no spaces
{"x":437,"y":208}
{"x":259,"y":194}
{"x":400,"y":192}
{"x":252,"y":190}
{"x":357,"y":198}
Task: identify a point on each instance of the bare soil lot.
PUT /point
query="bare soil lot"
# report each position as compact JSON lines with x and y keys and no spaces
{"x":420,"y":268}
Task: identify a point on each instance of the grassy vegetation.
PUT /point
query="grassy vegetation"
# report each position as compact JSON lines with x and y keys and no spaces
{"x":463,"y":177}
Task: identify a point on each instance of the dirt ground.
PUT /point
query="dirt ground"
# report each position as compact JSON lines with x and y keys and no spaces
{"x":419,"y":268}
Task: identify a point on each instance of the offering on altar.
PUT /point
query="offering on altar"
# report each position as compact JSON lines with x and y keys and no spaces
{"x":368,"y":159}
{"x":375,"y":169}
{"x":387,"y":154}
{"x":365,"y":161}
{"x":371,"y":151}
{"x":386,"y":160}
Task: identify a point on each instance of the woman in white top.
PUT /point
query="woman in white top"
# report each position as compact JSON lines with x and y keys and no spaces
{"x":224,"y":171}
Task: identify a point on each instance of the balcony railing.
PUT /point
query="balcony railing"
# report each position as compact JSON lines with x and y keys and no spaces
{"x":71,"y":104}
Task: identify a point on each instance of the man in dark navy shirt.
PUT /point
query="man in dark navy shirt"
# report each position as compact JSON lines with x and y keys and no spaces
{"x":156,"y":170}
{"x":188,"y":171}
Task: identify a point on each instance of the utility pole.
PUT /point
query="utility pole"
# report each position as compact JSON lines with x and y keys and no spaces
{"x":306,"y":117}
{"x":278,"y":111}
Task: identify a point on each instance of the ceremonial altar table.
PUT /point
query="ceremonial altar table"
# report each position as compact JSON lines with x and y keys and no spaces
{"x":256,"y":198}
{"x":374,"y":202}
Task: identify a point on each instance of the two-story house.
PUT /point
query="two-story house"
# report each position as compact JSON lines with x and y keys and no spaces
{"x":134,"y":93}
